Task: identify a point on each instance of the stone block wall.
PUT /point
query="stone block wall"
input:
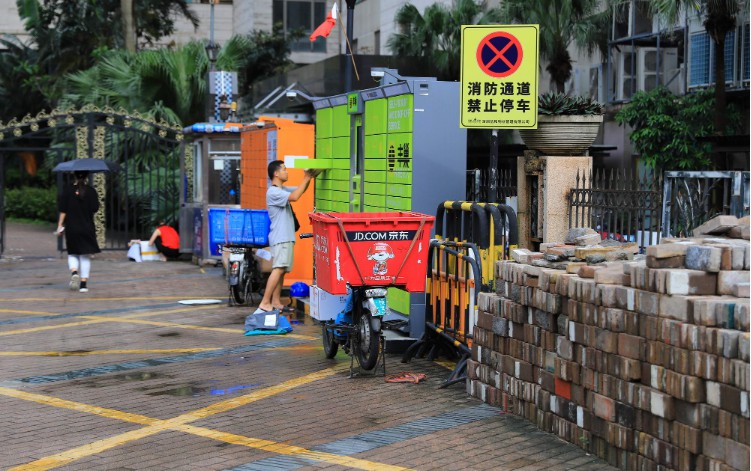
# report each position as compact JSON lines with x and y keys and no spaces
{"x":644,"y":363}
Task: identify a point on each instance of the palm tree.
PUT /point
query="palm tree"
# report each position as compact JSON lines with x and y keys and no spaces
{"x":166,"y":84}
{"x":435,"y":35}
{"x":129,"y":25}
{"x":24,"y":87}
{"x":720,"y":19}
{"x":562,"y":22}
{"x":170,"y":84}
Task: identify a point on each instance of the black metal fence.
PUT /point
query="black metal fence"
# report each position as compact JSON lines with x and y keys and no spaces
{"x":478,"y":185}
{"x":643,"y":207}
{"x":692,"y":198}
{"x":621,"y":205}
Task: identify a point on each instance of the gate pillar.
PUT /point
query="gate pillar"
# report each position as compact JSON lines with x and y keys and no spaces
{"x":544,"y":183}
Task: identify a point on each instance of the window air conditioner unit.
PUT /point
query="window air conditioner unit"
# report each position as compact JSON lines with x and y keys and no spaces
{"x":648,"y":67}
{"x":638,"y":70}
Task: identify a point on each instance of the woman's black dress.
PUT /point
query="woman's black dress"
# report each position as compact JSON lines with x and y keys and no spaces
{"x":79,"y":205}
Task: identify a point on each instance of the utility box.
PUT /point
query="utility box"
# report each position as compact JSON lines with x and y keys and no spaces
{"x":210,"y":173}
{"x":396,"y":147}
{"x":270,"y":139}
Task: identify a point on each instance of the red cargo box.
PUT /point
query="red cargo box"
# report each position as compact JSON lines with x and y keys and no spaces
{"x":381,"y":249}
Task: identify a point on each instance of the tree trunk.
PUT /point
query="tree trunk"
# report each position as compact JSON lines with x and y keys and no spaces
{"x":129,"y":25}
{"x":720,"y":119}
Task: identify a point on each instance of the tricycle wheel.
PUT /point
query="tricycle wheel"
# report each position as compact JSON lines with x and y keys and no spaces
{"x":367,"y":348}
{"x":239,"y":291}
{"x":330,"y":347}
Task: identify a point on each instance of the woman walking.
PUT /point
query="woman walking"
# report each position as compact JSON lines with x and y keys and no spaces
{"x":77,"y":206}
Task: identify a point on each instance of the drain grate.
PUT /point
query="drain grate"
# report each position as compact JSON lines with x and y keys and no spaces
{"x":369,"y":440}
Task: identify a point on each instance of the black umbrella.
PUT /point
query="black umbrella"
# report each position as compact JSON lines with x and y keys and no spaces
{"x":86,"y":165}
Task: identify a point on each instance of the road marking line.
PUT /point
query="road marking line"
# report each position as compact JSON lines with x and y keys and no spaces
{"x":132,"y":320}
{"x":108,"y":352}
{"x":89,"y":299}
{"x":449,"y":365}
{"x":48,"y":327}
{"x":32,"y":313}
{"x":100,"y":319}
{"x":139,"y":352}
{"x":77,"y":406}
{"x":179,"y":423}
{"x":290,"y":450}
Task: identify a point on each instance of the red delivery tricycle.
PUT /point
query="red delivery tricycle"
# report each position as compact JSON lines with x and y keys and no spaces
{"x":361,"y":255}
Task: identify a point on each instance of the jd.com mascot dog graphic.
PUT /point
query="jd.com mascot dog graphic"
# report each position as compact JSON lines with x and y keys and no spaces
{"x":380,"y":252}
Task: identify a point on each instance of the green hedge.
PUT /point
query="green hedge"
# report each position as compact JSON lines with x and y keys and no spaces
{"x":31,"y":203}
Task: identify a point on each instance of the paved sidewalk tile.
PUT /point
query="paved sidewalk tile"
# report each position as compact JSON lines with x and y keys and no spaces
{"x":125,"y":377}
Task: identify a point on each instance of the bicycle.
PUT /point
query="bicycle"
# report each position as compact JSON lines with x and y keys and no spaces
{"x":244,"y":276}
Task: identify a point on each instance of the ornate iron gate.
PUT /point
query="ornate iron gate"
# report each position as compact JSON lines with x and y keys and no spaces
{"x":692,"y":198}
{"x":147,"y":186}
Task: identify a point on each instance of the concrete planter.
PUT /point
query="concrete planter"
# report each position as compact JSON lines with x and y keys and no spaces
{"x":562,"y":135}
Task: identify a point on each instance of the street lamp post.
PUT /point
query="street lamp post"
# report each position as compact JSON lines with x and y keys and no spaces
{"x":212,"y":48}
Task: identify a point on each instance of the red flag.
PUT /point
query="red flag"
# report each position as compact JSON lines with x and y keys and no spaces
{"x":324,"y":29}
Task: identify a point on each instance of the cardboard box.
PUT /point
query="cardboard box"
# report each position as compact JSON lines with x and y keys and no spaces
{"x":141,"y":251}
{"x":325,"y":306}
{"x":149,"y":253}
{"x":263,"y":257}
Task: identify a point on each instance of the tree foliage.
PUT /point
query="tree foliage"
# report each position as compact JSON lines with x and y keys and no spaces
{"x":24,"y":87}
{"x":435,"y":35}
{"x":667,"y":130}
{"x":562,"y":23}
{"x":68,"y":36}
{"x":258,"y":55}
{"x":85,"y":25}
{"x":166,"y":84}
{"x":170,"y":84}
{"x":719,"y":19}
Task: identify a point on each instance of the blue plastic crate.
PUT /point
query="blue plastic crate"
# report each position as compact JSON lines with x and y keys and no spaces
{"x":238,"y":226}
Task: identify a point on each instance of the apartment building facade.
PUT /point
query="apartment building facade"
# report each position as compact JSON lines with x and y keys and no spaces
{"x":643,"y":52}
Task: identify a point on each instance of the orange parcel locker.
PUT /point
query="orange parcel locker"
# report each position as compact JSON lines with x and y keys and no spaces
{"x":279,"y":139}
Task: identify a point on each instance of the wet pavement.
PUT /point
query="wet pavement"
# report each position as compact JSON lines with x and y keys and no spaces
{"x":125,"y":377}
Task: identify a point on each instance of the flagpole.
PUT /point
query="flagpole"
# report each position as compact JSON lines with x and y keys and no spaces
{"x":348,"y":32}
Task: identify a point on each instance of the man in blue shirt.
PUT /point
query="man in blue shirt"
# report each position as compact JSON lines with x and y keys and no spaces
{"x":282,"y":234}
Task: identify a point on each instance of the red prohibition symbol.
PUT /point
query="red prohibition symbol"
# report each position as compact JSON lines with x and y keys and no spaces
{"x":499,"y":54}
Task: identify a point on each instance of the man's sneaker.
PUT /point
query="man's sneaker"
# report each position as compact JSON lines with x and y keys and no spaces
{"x":75,"y":282}
{"x":83,"y":289}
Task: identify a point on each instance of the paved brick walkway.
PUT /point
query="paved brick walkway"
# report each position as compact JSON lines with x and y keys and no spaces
{"x":126,"y":378}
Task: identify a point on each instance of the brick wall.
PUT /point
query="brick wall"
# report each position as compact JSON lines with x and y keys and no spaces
{"x":644,"y":363}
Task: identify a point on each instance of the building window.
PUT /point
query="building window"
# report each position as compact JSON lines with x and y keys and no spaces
{"x":301,"y":15}
{"x":631,"y":19}
{"x":703,"y":59}
{"x":377,"y":40}
{"x":699,"y":44}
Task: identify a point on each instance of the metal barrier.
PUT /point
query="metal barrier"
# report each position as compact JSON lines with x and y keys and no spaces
{"x":470,"y":238}
{"x":450,"y":304}
{"x":504,"y":236}
{"x":492,"y":227}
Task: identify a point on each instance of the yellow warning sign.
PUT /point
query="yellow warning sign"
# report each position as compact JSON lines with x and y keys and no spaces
{"x":499,"y":75}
